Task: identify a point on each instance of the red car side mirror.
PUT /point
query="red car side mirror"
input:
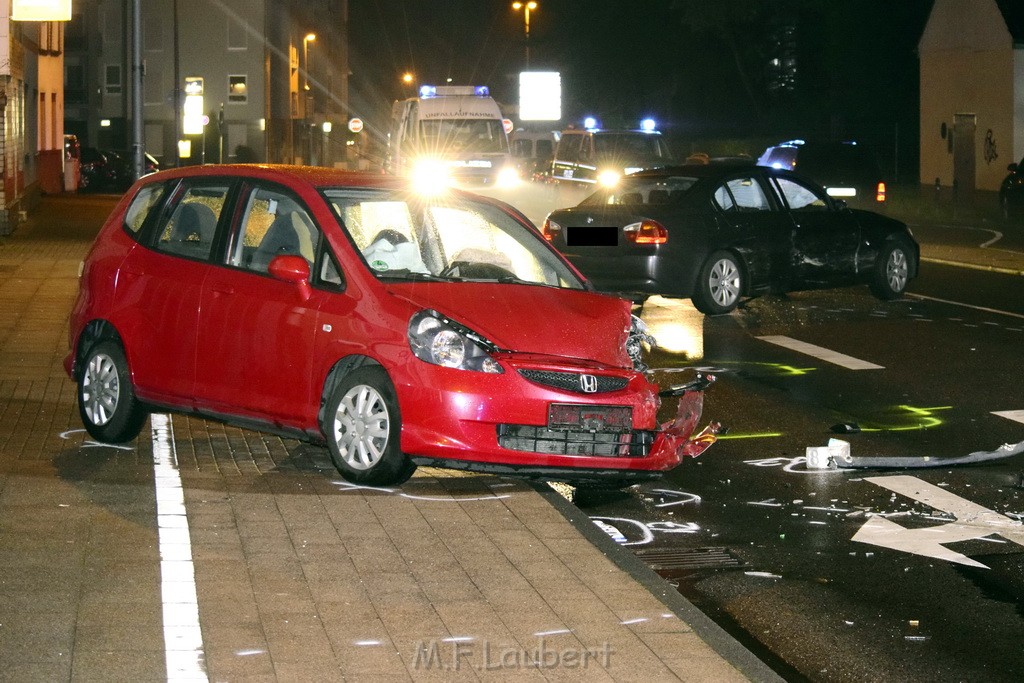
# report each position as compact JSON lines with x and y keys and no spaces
{"x":292,"y":269}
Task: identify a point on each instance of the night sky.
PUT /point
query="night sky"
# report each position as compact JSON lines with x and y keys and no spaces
{"x":696,"y":66}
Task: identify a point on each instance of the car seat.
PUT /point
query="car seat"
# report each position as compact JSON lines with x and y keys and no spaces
{"x":282,"y":238}
{"x":193,"y":230}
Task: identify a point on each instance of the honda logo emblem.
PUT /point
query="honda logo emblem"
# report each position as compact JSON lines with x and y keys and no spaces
{"x":588,"y":383}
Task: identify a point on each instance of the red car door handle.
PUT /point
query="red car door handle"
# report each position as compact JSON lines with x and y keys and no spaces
{"x":223,"y":290}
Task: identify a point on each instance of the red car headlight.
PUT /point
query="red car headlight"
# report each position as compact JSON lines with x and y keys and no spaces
{"x":441,"y":341}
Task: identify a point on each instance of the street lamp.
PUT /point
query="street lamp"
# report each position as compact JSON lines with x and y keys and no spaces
{"x":307,"y":104}
{"x":407,"y":78}
{"x":306,"y":40}
{"x":526,"y":7}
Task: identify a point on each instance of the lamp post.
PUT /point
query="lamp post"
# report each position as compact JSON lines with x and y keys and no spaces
{"x":526,"y":7}
{"x":307,"y":95}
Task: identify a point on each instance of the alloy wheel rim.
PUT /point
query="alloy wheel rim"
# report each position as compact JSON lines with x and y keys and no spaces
{"x":361,"y":426}
{"x":896,"y":270}
{"x":101,"y":389}
{"x":724,"y":282}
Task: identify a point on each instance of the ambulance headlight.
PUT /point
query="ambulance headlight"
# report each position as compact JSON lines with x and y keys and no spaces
{"x":507,"y":177}
{"x":608,"y":178}
{"x":430,"y":176}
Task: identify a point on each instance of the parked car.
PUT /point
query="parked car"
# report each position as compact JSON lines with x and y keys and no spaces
{"x":848,"y":171}
{"x":98,"y":170}
{"x":589,"y":157}
{"x":720,"y":231}
{"x":342,"y":308}
{"x":1011,"y":193}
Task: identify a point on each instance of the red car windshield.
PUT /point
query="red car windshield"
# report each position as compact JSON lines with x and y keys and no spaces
{"x":408,"y":237}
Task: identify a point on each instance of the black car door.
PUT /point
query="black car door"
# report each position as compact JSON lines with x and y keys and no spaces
{"x":753,"y":225}
{"x":825,"y":235}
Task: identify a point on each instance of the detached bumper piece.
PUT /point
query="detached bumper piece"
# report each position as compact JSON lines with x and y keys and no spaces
{"x":678,"y":434}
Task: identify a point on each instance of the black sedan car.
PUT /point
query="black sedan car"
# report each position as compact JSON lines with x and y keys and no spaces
{"x":1011,"y":193}
{"x":718,"y":232}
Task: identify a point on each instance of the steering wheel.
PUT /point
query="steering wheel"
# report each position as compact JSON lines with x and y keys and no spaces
{"x":476,"y":270}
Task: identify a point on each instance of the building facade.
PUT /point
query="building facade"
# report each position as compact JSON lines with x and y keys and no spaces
{"x":31,"y":114}
{"x":262,"y":77}
{"x":972,"y":92}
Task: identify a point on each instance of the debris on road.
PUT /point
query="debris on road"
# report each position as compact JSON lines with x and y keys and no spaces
{"x":836,"y":455}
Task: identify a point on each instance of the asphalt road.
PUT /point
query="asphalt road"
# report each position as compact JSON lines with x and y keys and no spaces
{"x":851,"y":575}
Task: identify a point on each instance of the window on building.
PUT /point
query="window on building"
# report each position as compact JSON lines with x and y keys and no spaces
{"x":112,"y":79}
{"x":237,"y":90}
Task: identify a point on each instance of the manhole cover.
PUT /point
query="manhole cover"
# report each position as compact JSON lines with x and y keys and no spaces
{"x":669,"y":559}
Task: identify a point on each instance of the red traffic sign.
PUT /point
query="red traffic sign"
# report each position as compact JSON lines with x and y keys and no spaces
{"x":355,"y":125}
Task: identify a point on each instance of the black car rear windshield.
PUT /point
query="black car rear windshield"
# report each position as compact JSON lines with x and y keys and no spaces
{"x":629,"y":191}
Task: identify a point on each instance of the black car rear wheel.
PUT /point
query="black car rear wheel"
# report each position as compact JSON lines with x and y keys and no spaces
{"x":892,"y":271}
{"x":719,"y":284}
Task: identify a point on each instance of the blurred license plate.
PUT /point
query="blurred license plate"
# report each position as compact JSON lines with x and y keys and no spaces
{"x":592,"y":236}
{"x":590,"y":417}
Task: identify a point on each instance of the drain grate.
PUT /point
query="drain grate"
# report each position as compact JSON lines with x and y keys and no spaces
{"x":668,"y":559}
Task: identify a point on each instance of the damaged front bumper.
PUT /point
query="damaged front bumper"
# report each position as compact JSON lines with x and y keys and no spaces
{"x":677,"y":436}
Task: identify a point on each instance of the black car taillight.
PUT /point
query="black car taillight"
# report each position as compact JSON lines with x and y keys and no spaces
{"x":550,"y":229}
{"x":646,"y":232}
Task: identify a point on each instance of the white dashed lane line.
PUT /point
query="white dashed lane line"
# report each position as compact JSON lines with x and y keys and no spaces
{"x":821,"y":353}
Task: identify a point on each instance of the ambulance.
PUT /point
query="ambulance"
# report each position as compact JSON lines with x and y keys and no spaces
{"x":451,"y":135}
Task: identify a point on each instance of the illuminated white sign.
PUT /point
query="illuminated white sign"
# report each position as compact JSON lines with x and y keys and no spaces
{"x":192,"y":122}
{"x":41,"y":10}
{"x":540,"y":96}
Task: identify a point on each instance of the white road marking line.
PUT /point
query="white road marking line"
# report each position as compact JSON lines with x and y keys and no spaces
{"x":183,"y":639}
{"x":958,"y":303}
{"x":1015,"y":415}
{"x":821,"y":353}
{"x":972,"y":521}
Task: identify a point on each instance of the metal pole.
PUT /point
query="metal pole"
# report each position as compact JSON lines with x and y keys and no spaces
{"x":137,"y":76}
{"x":177,"y":89}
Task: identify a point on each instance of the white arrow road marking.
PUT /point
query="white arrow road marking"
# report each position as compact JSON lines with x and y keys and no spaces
{"x":973,"y":521}
{"x":821,"y":353}
{"x":1015,"y":415}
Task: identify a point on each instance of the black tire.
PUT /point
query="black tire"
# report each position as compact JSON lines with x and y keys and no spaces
{"x":719,"y":285}
{"x":892,"y":271}
{"x":106,"y":398}
{"x":362,"y":425}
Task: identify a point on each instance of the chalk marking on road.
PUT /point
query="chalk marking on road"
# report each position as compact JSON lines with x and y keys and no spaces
{"x":1015,"y":415}
{"x":820,"y":353}
{"x":183,"y":639}
{"x":973,"y":522}
{"x":971,"y":306}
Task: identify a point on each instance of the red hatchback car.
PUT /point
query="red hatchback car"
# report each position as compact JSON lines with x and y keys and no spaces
{"x":344,"y":308}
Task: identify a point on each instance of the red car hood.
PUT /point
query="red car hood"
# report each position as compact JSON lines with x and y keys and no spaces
{"x":532,"y":319}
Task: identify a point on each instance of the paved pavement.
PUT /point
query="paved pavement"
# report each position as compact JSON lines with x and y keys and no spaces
{"x":203,"y":551}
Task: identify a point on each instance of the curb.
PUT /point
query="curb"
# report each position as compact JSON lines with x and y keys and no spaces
{"x":717,"y":638}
